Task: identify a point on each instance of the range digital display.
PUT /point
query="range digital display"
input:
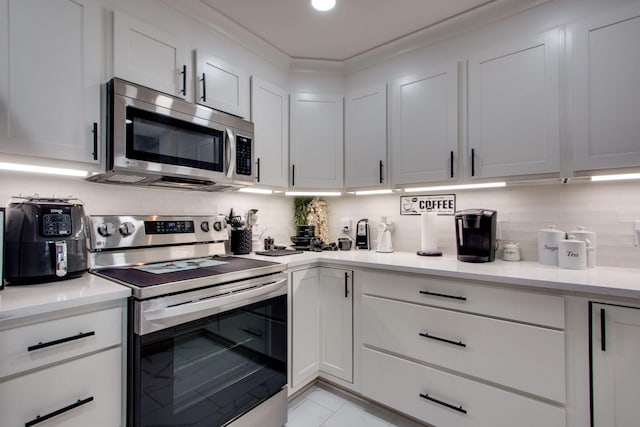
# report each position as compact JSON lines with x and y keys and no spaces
{"x":168,"y":227}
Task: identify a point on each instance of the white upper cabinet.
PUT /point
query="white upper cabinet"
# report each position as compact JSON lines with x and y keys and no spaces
{"x":221,"y":85}
{"x":514,"y":109}
{"x":365,"y":144}
{"x":270,"y":116}
{"x":424,"y":126}
{"x":316,"y":141}
{"x":606,"y":91}
{"x":50,"y":76}
{"x":150,"y":56}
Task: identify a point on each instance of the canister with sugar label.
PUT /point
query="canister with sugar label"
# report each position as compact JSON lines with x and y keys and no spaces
{"x":548,"y":239}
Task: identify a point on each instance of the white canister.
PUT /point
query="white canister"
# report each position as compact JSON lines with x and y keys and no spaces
{"x":572,"y":253}
{"x":511,"y":252}
{"x":548,"y":239}
{"x":589,"y":237}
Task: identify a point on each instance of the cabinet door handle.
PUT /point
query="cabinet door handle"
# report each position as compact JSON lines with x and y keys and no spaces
{"x":603,"y":331}
{"x":451,"y":163}
{"x":39,"y":419}
{"x":184,"y":80}
{"x":293,"y":175}
{"x":440,"y":402}
{"x":473,"y":162}
{"x":448,"y":341}
{"x":381,"y":167}
{"x":204,"y":88}
{"x":42,"y":345}
{"x":95,"y":141}
{"x":436,"y":294}
{"x":258,"y":169}
{"x":346,"y":285}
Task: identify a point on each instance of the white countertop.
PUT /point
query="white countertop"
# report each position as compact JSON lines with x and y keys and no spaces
{"x":606,"y":281}
{"x":27,"y":300}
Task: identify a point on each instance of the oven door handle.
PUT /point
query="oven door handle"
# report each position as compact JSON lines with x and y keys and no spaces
{"x":210,"y":306}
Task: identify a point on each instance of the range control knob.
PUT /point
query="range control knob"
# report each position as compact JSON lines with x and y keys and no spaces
{"x":218,"y":225}
{"x":106,"y":229}
{"x":205,"y":226}
{"x":127,"y":228}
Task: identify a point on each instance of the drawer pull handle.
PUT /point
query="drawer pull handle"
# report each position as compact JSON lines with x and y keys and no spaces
{"x":41,"y":345}
{"x":435,"y":294}
{"x":448,"y":341}
{"x":39,"y":419}
{"x":440,"y":402}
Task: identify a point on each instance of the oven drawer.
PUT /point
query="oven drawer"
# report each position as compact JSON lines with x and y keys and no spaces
{"x":31,"y":346}
{"x":83,"y":392}
{"x":400,"y":383}
{"x":503,"y":352}
{"x":472,"y":297}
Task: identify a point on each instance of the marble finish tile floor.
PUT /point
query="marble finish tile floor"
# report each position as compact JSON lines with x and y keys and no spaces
{"x":322,"y":406}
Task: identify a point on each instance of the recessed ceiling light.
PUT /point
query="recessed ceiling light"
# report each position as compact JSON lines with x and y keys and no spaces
{"x":323,"y":5}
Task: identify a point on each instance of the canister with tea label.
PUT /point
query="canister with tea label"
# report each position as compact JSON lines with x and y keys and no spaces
{"x":572,"y":253}
{"x":589,"y":237}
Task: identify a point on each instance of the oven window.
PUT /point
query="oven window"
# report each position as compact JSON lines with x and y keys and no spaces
{"x":163,"y":139}
{"x":209,"y":371}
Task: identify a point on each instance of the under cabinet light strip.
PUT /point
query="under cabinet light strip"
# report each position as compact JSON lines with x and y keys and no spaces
{"x":312,"y":193}
{"x":255,"y":190}
{"x":456,"y":187}
{"x":619,"y":177}
{"x":42,"y":169}
{"x":372,"y":192}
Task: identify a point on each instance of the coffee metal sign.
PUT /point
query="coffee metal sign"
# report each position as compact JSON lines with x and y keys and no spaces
{"x":442,"y":204}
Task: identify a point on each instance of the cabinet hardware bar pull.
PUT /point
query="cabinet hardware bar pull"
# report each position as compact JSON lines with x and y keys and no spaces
{"x":293,"y":175}
{"x":473,"y":162}
{"x":603,"y":331}
{"x":435,"y":294}
{"x":448,"y":341}
{"x":39,"y":419}
{"x":204,"y":88}
{"x":258,"y":169}
{"x":381,"y":166}
{"x":440,"y":402}
{"x":346,"y":285}
{"x":451,"y":161}
{"x":184,"y":80}
{"x":41,"y":345}
{"x":95,"y":141}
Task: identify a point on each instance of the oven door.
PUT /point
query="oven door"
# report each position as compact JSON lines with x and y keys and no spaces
{"x":209,"y":371}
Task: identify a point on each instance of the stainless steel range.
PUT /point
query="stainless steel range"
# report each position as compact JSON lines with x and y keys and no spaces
{"x":207,"y":332}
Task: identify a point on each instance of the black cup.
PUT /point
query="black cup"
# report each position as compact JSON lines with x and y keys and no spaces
{"x":241,"y":242}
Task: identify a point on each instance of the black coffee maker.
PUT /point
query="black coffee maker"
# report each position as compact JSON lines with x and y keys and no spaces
{"x":476,"y":235}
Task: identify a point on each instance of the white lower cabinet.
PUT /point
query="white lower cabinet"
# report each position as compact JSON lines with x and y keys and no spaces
{"x":615,"y":350}
{"x":63,"y":369}
{"x":442,"y":399}
{"x":82,"y":392}
{"x":304,"y":308}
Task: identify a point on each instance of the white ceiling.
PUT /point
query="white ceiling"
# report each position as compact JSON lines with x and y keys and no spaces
{"x":351,"y":28}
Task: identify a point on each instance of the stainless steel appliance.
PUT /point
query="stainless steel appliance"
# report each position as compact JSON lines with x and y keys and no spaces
{"x":476,"y":235}
{"x":155,"y":139}
{"x":46,"y":240}
{"x":207,"y":332}
{"x":363,"y":239}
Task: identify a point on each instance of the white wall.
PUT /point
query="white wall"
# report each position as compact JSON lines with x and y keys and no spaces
{"x":608,"y":209}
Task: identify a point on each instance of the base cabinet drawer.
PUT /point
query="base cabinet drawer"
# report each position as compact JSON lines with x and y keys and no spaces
{"x":80,"y":393}
{"x":524,"y":357}
{"x":527,"y":307}
{"x":39,"y":344}
{"x":446,"y":400}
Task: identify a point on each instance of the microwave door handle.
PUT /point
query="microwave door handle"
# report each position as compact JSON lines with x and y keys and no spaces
{"x":231,"y":140}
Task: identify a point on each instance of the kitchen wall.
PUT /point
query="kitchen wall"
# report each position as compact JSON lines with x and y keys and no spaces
{"x":275,"y":212}
{"x":608,"y":209}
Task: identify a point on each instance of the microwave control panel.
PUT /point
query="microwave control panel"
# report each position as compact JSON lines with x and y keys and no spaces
{"x":243,"y":156}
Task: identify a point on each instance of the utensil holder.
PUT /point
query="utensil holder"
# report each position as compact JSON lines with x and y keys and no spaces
{"x":241,"y":242}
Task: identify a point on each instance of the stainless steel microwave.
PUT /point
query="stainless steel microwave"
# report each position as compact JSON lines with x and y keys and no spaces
{"x":154,"y":139}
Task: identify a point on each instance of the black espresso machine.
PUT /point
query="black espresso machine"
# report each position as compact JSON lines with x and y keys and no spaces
{"x":476,"y":235}
{"x":45,"y":240}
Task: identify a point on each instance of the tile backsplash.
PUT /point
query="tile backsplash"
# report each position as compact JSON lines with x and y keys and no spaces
{"x":608,"y":209}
